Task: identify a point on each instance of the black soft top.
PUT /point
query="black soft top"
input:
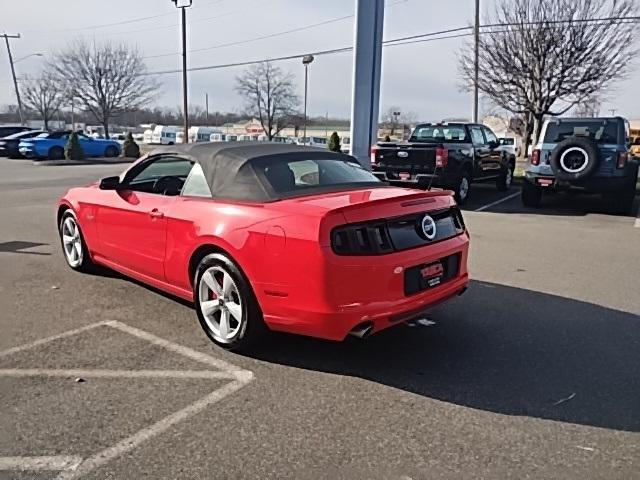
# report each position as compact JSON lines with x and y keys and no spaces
{"x":228,"y":166}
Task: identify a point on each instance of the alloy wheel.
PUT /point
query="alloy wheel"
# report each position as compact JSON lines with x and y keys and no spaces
{"x":220,"y":303}
{"x":72,"y":242}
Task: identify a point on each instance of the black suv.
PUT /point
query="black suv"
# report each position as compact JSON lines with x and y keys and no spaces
{"x":583,"y":154}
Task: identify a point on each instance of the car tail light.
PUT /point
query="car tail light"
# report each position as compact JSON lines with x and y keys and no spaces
{"x":442,"y":157}
{"x":362,"y":239}
{"x":535,"y":157}
{"x":622,"y":159}
{"x":373,"y":152}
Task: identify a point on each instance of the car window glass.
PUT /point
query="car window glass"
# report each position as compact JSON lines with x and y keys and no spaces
{"x":598,"y":131}
{"x":439,"y":133}
{"x":476,"y":136}
{"x":196,"y":184}
{"x":161,"y":167}
{"x":490,"y":136}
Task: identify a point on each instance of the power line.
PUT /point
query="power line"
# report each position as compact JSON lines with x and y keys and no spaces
{"x":420,"y":38}
{"x":124,"y":22}
{"x":254,"y":39}
{"x":264,"y":37}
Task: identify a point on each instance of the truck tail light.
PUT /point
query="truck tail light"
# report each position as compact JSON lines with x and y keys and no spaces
{"x":373,"y":152}
{"x":442,"y":157}
{"x":535,"y":157}
{"x":622,"y":159}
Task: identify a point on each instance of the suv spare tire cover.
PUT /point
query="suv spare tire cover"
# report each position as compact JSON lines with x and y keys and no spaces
{"x":575,"y":158}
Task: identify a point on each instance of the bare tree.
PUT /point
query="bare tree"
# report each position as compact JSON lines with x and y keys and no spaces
{"x":590,"y":107}
{"x":108,"y":79}
{"x":270,"y":96}
{"x":552,"y":55}
{"x":43,"y":94}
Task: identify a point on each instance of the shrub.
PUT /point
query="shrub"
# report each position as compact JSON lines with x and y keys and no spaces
{"x":73,"y":149}
{"x":387,"y":138}
{"x":334,"y":142}
{"x":130,"y":148}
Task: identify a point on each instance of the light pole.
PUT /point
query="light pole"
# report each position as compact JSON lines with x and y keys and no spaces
{"x":306,"y":60}
{"x":396,"y":115}
{"x":183,"y":4}
{"x":476,"y":59}
{"x":28,"y":56}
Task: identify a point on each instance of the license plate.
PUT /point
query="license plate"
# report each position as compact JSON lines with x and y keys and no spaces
{"x":405,"y":176}
{"x":545,"y":182}
{"x":432,"y":274}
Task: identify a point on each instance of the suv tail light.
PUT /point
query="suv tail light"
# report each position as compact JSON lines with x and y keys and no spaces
{"x":442,"y":157}
{"x":535,"y":157}
{"x":363,"y":239}
{"x":622,"y":159}
{"x":373,"y":152}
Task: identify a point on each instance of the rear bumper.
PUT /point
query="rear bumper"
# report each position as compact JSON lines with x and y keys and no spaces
{"x":358,"y":290}
{"x":420,"y":180}
{"x":590,"y":185}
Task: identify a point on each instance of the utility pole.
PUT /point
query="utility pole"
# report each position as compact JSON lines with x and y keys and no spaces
{"x":206,"y":104}
{"x":613,"y":112}
{"x":13,"y":74}
{"x":183,"y":5}
{"x":476,"y":67}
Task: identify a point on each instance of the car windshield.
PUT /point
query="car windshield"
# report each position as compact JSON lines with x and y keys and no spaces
{"x":296,"y":176}
{"x":439,"y":134}
{"x":604,"y":131}
{"x":507,"y":141}
{"x":22,"y":135}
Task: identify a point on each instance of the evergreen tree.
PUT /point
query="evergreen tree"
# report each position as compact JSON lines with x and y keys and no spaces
{"x":387,"y":138}
{"x":130,"y":148}
{"x":334,"y":142}
{"x":73,"y":149}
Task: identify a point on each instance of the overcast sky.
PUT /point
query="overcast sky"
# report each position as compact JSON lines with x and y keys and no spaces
{"x":421,"y":77}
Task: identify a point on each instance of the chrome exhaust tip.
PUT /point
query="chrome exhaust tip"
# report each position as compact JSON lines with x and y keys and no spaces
{"x":362,"y":331}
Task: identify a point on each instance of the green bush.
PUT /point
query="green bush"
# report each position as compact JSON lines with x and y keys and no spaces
{"x":334,"y":142}
{"x":73,"y":149}
{"x":130,"y":148}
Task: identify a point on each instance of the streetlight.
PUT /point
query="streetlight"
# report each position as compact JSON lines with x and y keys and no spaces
{"x":306,"y":60}
{"x":28,"y":56}
{"x":183,"y":4}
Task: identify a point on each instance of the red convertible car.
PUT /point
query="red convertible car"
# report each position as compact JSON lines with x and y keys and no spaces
{"x":269,"y":236}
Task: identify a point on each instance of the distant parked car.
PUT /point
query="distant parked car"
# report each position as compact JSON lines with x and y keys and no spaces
{"x":511,"y":145}
{"x":589,"y":155}
{"x":313,"y":141}
{"x":9,"y":145}
{"x":51,"y":146}
{"x":6,"y":130}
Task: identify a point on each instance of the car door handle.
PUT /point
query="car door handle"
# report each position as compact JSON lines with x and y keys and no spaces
{"x":155,"y":213}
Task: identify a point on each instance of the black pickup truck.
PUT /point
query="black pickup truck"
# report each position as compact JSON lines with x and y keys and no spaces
{"x":445,"y":155}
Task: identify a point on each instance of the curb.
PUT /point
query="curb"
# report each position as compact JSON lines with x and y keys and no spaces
{"x":88,"y":161}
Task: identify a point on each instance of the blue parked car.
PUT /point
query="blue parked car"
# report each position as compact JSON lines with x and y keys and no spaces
{"x":51,"y":145}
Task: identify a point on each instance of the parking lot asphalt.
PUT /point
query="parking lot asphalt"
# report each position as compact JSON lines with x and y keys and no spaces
{"x":533,"y":373}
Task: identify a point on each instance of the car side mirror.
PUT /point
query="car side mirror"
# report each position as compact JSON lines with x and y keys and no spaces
{"x":493,"y":144}
{"x":110,"y":183}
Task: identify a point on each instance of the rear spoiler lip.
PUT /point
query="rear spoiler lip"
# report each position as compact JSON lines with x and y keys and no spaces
{"x":413,"y":199}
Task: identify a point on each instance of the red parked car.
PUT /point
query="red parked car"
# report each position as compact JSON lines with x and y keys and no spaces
{"x":271,"y":236}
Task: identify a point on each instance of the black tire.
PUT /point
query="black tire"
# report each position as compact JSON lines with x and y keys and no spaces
{"x":56,"y":153}
{"x":111,"y":152}
{"x":85,"y":264}
{"x":531,"y":195}
{"x":251,"y":327}
{"x":505,"y":180}
{"x":574,"y":158}
{"x":461,"y":192}
{"x":170,"y":143}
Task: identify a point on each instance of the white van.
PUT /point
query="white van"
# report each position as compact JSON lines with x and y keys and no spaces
{"x":202,"y":134}
{"x":147,"y":136}
{"x":313,"y":141}
{"x":231,"y":138}
{"x":245,"y":138}
{"x":164,"y":135}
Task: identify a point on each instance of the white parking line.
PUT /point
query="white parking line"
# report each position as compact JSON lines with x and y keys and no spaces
{"x":56,"y":463}
{"x":136,"y":439}
{"x":68,"y":373}
{"x":71,"y":467}
{"x":497,"y":202}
